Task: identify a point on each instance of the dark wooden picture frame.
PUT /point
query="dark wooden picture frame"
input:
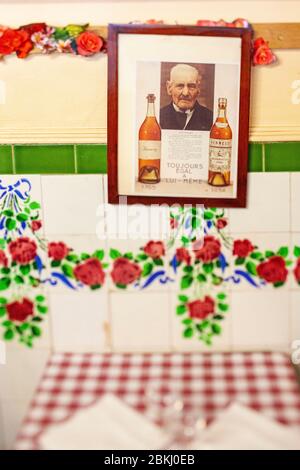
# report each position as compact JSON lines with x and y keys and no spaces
{"x":245,"y":34}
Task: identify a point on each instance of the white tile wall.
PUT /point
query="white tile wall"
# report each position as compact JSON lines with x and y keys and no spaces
{"x":295,"y":198}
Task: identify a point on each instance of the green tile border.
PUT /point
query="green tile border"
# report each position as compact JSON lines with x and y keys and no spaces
{"x":92,"y":158}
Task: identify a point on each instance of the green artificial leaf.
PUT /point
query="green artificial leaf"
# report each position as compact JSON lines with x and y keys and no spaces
{"x":283,"y":251}
{"x":8,"y":335}
{"x":186,"y":281}
{"x":239,"y":261}
{"x":216,"y":328}
{"x":4,"y":283}
{"x":114,"y":254}
{"x":188,"y":332}
{"x":297,"y":251}
{"x":25,"y":269}
{"x":158,"y":262}
{"x":208,"y":268}
{"x":251,"y":268}
{"x":221,"y":296}
{"x":10,"y":224}
{"x":34,"y":205}
{"x":180,"y":309}
{"x":147,"y":269}
{"x":22,"y":217}
{"x":183,"y":298}
{"x":67,"y":269}
{"x":61,"y":34}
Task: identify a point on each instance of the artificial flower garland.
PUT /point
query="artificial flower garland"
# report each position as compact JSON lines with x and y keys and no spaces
{"x":28,"y":262}
{"x":80,"y":40}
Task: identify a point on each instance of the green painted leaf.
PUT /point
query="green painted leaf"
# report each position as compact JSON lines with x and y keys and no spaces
{"x":147,"y":269}
{"x":256,"y":255}
{"x":297,"y":251}
{"x":2,"y":311}
{"x":71,"y":257}
{"x":95,"y":286}
{"x":19,"y":280}
{"x":216,"y":280}
{"x":180,"y":309}
{"x":251,"y":268}
{"x":84,"y":256}
{"x":185,"y":240}
{"x":218,"y":317}
{"x":216,"y":328}
{"x":10,"y":224}
{"x":5,"y":270}
{"x":208,"y":268}
{"x":42,"y":308}
{"x":40,"y":298}
{"x":67,"y":269}
{"x":188,"y":269}
{"x":142,"y":257}
{"x":188,"y":332}
{"x":8,"y":335}
{"x":25,"y":269}
{"x":183,"y":298}
{"x":36,"y":331}
{"x":121,"y":286}
{"x":158,"y":262}
{"x":7,"y":323}
{"x":196,"y":222}
{"x":269,"y":253}
{"x":22,"y":217}
{"x":186,"y":281}
{"x":201,"y":278}
{"x":223,"y":307}
{"x":4,"y":283}
{"x":8,"y":213}
{"x":239,"y":261}
{"x":283,"y":251}
{"x":208,"y":215}
{"x":34,"y":205}
{"x":37,"y":319}
{"x":205,"y":324}
{"x":128,"y":255}
{"x":278,"y":284}
{"x":114,"y":254}
{"x":187,"y":321}
{"x":221,"y":296}
{"x":55,"y":263}
{"x":3,"y":300}
{"x":24,"y":326}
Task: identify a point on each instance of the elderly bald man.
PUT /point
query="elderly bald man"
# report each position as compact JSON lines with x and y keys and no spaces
{"x":184,"y":112}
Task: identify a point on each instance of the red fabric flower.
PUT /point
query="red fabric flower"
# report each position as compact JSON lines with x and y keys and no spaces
{"x":262,"y":54}
{"x":36,"y":225}
{"x":273,"y":270}
{"x":200,"y":309}
{"x":206,"y":23}
{"x":3,"y":259}
{"x":125,"y":272}
{"x":20,"y":310}
{"x":182,"y":255}
{"x":90,"y":272}
{"x":221,"y":223}
{"x":154,"y":21}
{"x":242,"y":248}
{"x":57,"y":250}
{"x":34,"y":28}
{"x":154,"y":249}
{"x":240,"y":23}
{"x":210,"y":249}
{"x":15,"y":40}
{"x":88,"y":43}
{"x":297,"y":271}
{"x":23,"y":250}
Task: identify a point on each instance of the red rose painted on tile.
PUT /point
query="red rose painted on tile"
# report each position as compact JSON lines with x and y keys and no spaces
{"x":90,"y":272}
{"x":183,"y":255}
{"x":221,"y":223}
{"x":58,"y":250}
{"x":201,"y":309}
{"x":242,"y":248}
{"x":19,"y":311}
{"x":23,"y":250}
{"x":297,"y":271}
{"x":273,"y":270}
{"x":36,"y":225}
{"x":125,"y":272}
{"x":154,"y":249}
{"x":3,"y":259}
{"x":210,"y":249}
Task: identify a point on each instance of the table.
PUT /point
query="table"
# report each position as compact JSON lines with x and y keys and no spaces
{"x":206,"y":382}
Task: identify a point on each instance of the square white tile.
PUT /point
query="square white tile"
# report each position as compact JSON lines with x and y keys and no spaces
{"x":268,"y":205}
{"x":260,"y":320}
{"x":79,"y":321}
{"x":295,"y":202}
{"x":2,"y":435}
{"x":140,"y":321}
{"x":71,"y":203}
{"x":295,"y":326}
{"x":14,"y":412}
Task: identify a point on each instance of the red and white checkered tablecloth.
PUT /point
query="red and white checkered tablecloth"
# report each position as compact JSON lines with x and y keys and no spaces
{"x":206,"y":382}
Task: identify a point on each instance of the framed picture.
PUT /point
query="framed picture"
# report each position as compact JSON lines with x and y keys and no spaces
{"x":178,"y":114}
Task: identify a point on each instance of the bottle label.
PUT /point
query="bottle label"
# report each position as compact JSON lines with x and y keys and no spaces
{"x":149,"y":149}
{"x":219,"y":155}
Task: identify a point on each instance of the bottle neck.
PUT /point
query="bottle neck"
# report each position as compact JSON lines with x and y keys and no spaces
{"x":222,"y":113}
{"x":150,"y":110}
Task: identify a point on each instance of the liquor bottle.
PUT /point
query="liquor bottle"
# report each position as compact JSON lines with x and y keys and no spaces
{"x":220,"y":143}
{"x":149,"y":146}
